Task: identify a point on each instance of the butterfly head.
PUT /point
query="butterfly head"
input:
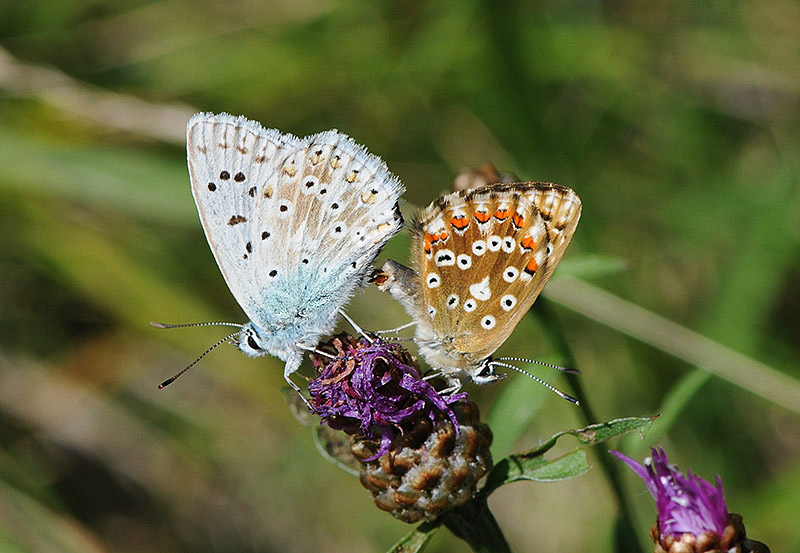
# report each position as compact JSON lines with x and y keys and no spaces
{"x":250,"y":342}
{"x":484,"y":373}
{"x":281,"y":341}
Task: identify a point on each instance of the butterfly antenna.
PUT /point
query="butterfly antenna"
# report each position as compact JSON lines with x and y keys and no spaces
{"x":537,"y":379}
{"x":186,"y":325}
{"x":543,"y":363}
{"x":172,"y":379}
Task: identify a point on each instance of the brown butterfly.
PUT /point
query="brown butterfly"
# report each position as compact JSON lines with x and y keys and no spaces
{"x":480,"y":258}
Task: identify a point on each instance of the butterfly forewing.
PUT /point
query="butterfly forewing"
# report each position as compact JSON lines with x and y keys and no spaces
{"x":294,"y":224}
{"x":484,"y":256}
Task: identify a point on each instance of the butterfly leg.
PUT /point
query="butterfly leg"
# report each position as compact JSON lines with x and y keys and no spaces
{"x":355,"y":326}
{"x":398,"y":329}
{"x":317,"y":351}
{"x":432,"y":374}
{"x":454,"y":384}
{"x":292,"y":364}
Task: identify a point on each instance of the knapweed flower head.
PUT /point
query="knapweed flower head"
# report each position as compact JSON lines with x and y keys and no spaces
{"x":692,"y":515}
{"x":430,"y":469}
{"x":685,"y":504}
{"x":372,"y":388}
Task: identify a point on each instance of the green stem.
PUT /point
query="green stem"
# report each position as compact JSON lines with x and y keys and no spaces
{"x":475,"y":524}
{"x":625,"y":526}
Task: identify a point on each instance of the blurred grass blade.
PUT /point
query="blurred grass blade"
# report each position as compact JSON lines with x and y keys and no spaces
{"x":672,"y":407}
{"x":677,"y":340}
{"x":99,"y":176}
{"x":592,"y":266}
{"x":515,"y":406}
{"x":27,"y":524}
{"x":121,"y":111}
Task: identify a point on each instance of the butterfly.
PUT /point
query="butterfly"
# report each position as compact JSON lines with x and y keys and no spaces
{"x":294,"y":224}
{"x":480,"y":258}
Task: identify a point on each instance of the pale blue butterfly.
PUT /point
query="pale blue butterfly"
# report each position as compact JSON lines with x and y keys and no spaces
{"x":294,"y":225}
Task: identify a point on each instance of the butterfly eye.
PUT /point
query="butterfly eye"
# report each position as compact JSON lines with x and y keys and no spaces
{"x":486,"y":371}
{"x":252,"y":343}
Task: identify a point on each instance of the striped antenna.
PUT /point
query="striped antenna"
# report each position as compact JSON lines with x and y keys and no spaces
{"x":172,"y":379}
{"x":499,"y":363}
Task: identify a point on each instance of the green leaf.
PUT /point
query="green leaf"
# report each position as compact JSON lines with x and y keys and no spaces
{"x":532,"y":465}
{"x":415,"y":540}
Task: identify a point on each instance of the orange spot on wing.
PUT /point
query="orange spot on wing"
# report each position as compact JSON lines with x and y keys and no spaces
{"x":532,"y":266}
{"x":443,"y":236}
{"x":427,"y":242}
{"x":518,"y":220}
{"x":528,"y":242}
{"x":459,"y":221}
{"x":502,"y":214}
{"x":482,"y":216}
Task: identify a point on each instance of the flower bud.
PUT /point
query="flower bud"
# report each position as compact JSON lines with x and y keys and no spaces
{"x":431,"y":469}
{"x":692,"y":515}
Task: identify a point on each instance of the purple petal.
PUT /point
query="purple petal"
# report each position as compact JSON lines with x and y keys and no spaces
{"x":685,"y":504}
{"x":370,"y":389}
{"x":640,"y":470}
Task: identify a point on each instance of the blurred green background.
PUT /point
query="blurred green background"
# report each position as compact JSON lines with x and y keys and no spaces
{"x":678,"y":124}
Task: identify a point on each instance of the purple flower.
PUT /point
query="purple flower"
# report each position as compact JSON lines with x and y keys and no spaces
{"x":372,"y":388}
{"x":686,"y":504}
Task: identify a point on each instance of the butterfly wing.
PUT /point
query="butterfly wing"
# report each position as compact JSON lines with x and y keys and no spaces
{"x":294,"y":224}
{"x":483,"y":256}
